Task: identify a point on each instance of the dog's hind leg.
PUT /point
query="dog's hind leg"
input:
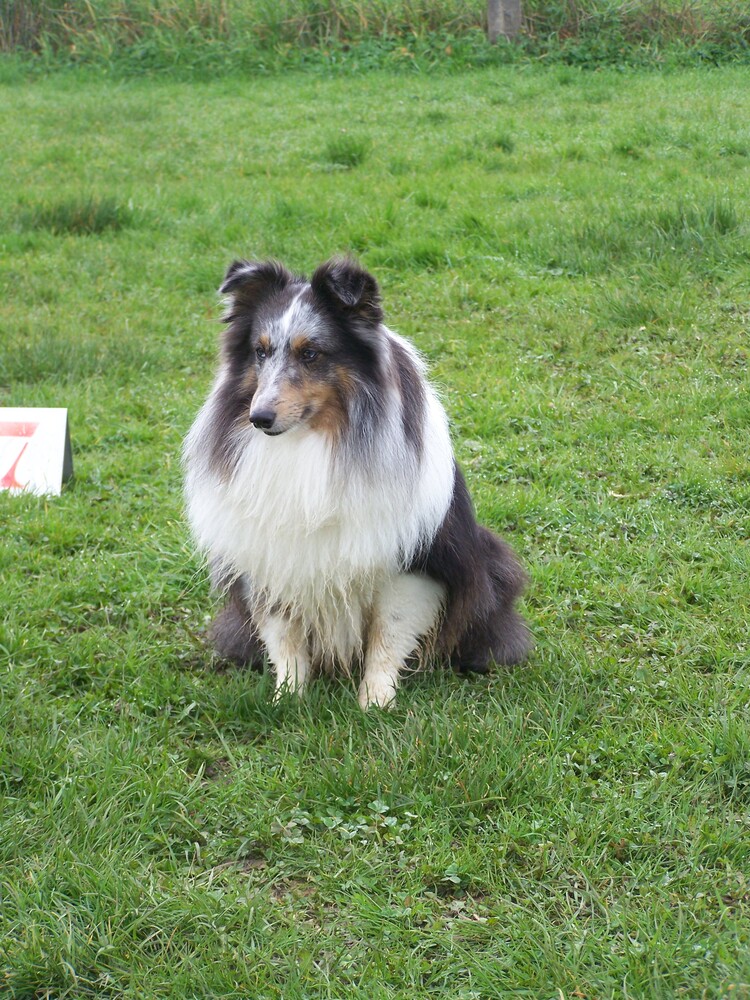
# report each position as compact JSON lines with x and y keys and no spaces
{"x":284,"y":639}
{"x":407,"y":608}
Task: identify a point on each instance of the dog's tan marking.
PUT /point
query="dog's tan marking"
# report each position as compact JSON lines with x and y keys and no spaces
{"x":328,"y":400}
{"x":249,"y":383}
{"x":329,"y":414}
{"x":302,"y":343}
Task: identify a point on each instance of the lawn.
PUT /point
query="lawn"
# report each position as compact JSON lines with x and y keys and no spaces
{"x":571,"y":252}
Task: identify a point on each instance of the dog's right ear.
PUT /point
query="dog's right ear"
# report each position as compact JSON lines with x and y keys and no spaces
{"x":347,"y":288}
{"x":247,"y":283}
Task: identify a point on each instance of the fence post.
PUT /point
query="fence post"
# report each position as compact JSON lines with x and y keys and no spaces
{"x":503,"y":18}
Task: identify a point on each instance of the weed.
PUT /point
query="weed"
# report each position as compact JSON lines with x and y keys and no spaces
{"x":708,"y":232}
{"x":346,"y":150}
{"x":430,"y":199}
{"x":502,"y":141}
{"x":435,"y":117}
{"x":695,"y":225}
{"x":418,"y":254}
{"x":637,"y":308}
{"x":76,"y":216}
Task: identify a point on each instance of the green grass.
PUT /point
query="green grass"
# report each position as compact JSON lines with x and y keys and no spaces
{"x":347,"y":151}
{"x":75,"y":216}
{"x":571,"y":254}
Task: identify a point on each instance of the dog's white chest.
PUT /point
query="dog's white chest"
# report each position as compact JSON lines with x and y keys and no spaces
{"x":304,"y":536}
{"x":317,"y":538}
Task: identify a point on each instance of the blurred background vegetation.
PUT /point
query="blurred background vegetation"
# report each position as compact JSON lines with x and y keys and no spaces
{"x":252,"y":34}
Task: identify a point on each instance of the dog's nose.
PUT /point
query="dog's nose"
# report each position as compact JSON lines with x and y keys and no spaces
{"x":262,"y":419}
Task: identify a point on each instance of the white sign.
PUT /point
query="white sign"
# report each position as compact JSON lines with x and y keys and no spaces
{"x":35,"y":454}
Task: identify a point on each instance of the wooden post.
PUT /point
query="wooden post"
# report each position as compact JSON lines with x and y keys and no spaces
{"x":503,"y":18}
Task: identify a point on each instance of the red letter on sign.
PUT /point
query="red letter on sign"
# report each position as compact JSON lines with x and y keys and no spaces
{"x":19,"y":429}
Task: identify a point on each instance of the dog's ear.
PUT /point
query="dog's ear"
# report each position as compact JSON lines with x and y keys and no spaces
{"x":247,"y":283}
{"x":347,"y":288}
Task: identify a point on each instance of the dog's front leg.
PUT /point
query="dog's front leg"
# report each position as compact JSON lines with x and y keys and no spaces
{"x":285,"y":643}
{"x":406,"y":609}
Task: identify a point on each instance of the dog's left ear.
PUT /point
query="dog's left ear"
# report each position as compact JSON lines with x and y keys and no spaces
{"x":247,"y":283}
{"x":347,"y":288}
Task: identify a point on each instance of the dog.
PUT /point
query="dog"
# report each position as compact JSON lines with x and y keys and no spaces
{"x":321,"y":484}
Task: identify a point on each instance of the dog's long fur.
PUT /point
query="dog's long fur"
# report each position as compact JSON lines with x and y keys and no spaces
{"x":321,"y":484}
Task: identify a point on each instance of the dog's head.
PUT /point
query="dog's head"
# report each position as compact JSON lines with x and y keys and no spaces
{"x":296,"y":351}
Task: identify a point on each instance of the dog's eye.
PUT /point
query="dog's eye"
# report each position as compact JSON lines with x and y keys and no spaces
{"x":309,"y":355}
{"x":260,"y":354}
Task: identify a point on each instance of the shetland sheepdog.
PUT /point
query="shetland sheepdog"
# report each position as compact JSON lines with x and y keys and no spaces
{"x":322,"y":487}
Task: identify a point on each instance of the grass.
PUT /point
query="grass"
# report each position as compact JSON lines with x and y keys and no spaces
{"x":578,"y":828}
{"x":76,"y":216}
{"x":347,"y":151}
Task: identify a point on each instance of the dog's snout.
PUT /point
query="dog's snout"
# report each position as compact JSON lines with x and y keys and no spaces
{"x":263,"y":419}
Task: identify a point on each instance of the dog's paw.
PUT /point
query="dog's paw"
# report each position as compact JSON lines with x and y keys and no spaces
{"x":377,"y":692}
